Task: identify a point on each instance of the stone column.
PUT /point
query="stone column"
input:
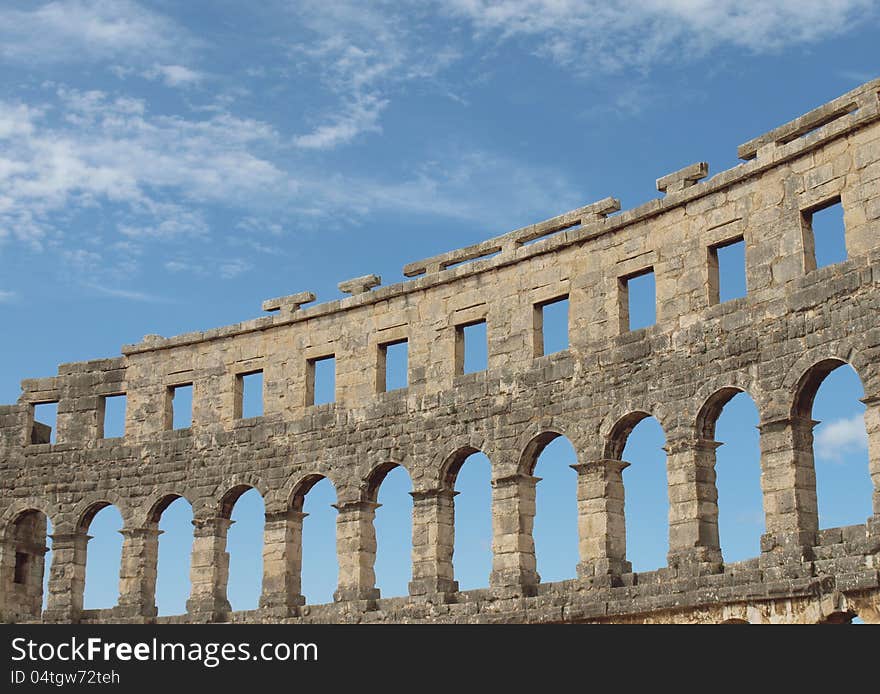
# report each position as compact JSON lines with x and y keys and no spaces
{"x":137,"y":574}
{"x":514,"y":571}
{"x":209,"y":572}
{"x":282,"y":562}
{"x":356,"y":551}
{"x":67,"y":577}
{"x":8,"y":604}
{"x":433,"y":542}
{"x":788,"y":481}
{"x":872,"y":425}
{"x":601,"y":520}
{"x":693,"y":506}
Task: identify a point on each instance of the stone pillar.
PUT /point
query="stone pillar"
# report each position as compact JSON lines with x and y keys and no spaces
{"x":872,"y":425}
{"x":209,"y":571}
{"x":693,"y":506}
{"x":788,"y":481}
{"x":601,"y":520}
{"x":356,"y":551}
{"x":514,"y":571}
{"x":282,"y":562}
{"x":67,"y":577}
{"x":137,"y":574}
{"x":8,"y":603}
{"x":433,"y":543}
{"x":22,"y":564}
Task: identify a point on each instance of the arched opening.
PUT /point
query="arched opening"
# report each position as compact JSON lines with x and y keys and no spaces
{"x":638,"y":439}
{"x":550,"y":456}
{"x":315,"y":496}
{"x":27,"y":575}
{"x":735,"y":621}
{"x":731,"y":418}
{"x":103,"y":523}
{"x":839,"y":618}
{"x":174,"y":516}
{"x":243,"y":505}
{"x":390,"y":487}
{"x":830,"y":392}
{"x":469,"y":474}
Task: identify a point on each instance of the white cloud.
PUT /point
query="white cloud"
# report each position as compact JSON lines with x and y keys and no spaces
{"x":361,"y":54}
{"x":174,"y":75}
{"x":128,"y":295}
{"x":7,"y":297}
{"x":88,"y":30}
{"x":225,"y":269}
{"x":604,"y":35}
{"x":112,"y":150}
{"x":841,"y":437}
{"x":360,"y":116}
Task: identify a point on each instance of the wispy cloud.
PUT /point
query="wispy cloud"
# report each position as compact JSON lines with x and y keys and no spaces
{"x":7,"y":297}
{"x":88,"y":30}
{"x":362,"y":53}
{"x":174,"y":75}
{"x":111,"y":149}
{"x":603,"y":36}
{"x":128,"y":295}
{"x":225,"y":269}
{"x":837,"y":439}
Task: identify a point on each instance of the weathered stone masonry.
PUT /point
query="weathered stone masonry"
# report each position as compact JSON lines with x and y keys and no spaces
{"x":795,"y":325}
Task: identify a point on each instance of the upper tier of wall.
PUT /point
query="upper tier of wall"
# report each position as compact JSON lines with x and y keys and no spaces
{"x":830,"y":153}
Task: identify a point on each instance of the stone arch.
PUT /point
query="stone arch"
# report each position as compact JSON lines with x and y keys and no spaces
{"x":735,"y":620}
{"x":803,"y":391}
{"x":635,"y":484}
{"x":618,"y":433}
{"x":810,"y":369}
{"x":389,"y":554}
{"x":808,"y":384}
{"x":718,"y":533}
{"x":555,"y":501}
{"x":16,"y":509}
{"x":23,"y":564}
{"x":375,"y":478}
{"x":710,"y":411}
{"x":89,"y":507}
{"x":151,"y":554}
{"x":85,"y":515}
{"x":159,"y":503}
{"x":452,"y":465}
{"x":235,"y":488}
{"x":302,"y":487}
{"x":536,"y":444}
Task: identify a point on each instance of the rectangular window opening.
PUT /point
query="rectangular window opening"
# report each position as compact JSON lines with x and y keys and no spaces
{"x":727,"y":271}
{"x":393,"y":366}
{"x":249,"y":395}
{"x":321,"y":380}
{"x":824,"y":234}
{"x":551,"y":326}
{"x":638,"y":300}
{"x":471,"y":347}
{"x":179,"y":410}
{"x":45,"y":422}
{"x":112,"y":417}
{"x":21,"y":567}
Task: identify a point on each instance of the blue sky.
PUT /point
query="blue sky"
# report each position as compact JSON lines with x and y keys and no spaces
{"x":166,"y":166}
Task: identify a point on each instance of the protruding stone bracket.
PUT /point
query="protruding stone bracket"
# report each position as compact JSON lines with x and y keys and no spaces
{"x":683,"y":178}
{"x":508,"y":243}
{"x":360,"y":285}
{"x":288,"y":304}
